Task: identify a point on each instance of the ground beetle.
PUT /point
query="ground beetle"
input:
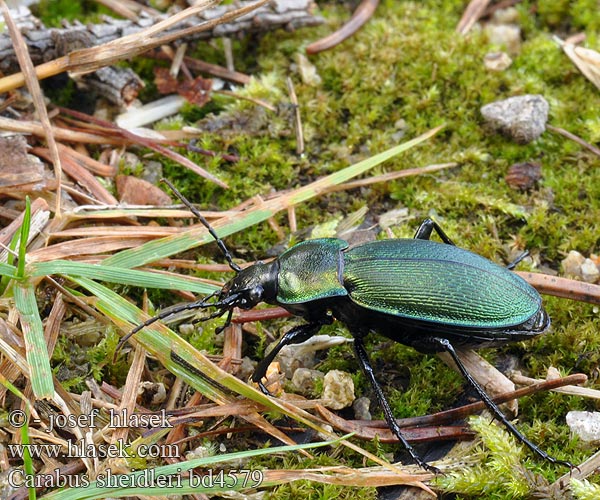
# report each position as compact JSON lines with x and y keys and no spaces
{"x":424,"y":294}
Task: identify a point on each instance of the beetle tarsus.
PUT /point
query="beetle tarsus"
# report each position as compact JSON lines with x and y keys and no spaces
{"x":263,"y":389}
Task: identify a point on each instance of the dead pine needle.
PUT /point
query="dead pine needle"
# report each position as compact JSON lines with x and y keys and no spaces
{"x":573,"y":137}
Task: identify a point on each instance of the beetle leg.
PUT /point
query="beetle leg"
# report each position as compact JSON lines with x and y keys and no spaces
{"x":365,"y":364}
{"x":447,"y":346}
{"x":219,"y":329}
{"x":426,"y":228}
{"x":514,"y":263}
{"x":296,"y":335}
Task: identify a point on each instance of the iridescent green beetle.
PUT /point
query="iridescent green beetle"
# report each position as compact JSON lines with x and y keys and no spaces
{"x":428,"y":295}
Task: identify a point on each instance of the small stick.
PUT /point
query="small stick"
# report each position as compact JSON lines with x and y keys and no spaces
{"x":563,"y":287}
{"x":367,"y":429}
{"x":471,"y":15}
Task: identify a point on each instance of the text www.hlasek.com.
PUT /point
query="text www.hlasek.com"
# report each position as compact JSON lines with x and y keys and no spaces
{"x":89,"y":450}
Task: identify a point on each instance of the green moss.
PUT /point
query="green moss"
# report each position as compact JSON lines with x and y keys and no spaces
{"x":54,"y":12}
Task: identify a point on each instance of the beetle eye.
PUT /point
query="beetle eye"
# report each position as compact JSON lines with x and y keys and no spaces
{"x":255,"y":294}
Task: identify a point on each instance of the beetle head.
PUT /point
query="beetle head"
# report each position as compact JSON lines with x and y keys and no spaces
{"x":257,"y":283}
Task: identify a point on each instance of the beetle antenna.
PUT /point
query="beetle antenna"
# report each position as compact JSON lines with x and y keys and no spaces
{"x":227,"y":304}
{"x":165,"y":314}
{"x":212,"y":232}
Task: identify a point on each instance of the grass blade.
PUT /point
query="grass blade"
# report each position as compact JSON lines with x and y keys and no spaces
{"x":24,"y":237}
{"x":35,"y":343}
{"x":170,"y":245}
{"x":119,"y":275}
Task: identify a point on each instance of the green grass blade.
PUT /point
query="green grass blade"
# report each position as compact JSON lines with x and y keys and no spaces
{"x":158,"y":340}
{"x":6,"y":270}
{"x":119,"y":275}
{"x":24,"y":237}
{"x":35,"y":344}
{"x":27,"y":460}
{"x":171,"y":245}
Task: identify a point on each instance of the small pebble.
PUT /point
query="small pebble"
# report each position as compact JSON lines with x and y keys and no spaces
{"x":304,"y":380}
{"x":522,"y":118}
{"x":585,"y":424}
{"x":246,"y":368}
{"x":497,"y":61}
{"x":152,"y":392}
{"x":361,"y":408}
{"x":589,"y":271}
{"x":572,"y":263}
{"x":290,"y":359}
{"x":505,"y":35}
{"x":338,"y":390}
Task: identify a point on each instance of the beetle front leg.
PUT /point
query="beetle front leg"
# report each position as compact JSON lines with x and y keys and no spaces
{"x":296,"y":335}
{"x":365,"y":364}
{"x":427,"y":227}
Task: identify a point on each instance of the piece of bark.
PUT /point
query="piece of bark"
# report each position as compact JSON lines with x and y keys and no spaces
{"x":17,"y":167}
{"x":46,"y":44}
{"x":134,"y":191}
{"x":118,"y":85}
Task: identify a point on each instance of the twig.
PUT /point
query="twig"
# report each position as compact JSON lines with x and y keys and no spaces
{"x":297,"y":117}
{"x":587,"y":468}
{"x":361,"y":15}
{"x":563,"y":287}
{"x":211,"y":69}
{"x":35,"y":90}
{"x":369,"y":429}
{"x":152,"y":144}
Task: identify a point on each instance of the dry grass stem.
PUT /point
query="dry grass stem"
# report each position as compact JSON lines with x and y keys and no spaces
{"x":471,"y":15}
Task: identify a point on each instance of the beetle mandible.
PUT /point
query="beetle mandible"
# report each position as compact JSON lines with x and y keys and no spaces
{"x":424,"y":294}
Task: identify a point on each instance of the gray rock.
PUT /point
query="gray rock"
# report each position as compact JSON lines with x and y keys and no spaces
{"x":522,"y":118}
{"x":361,"y":408}
{"x":572,"y":263}
{"x":585,"y":424}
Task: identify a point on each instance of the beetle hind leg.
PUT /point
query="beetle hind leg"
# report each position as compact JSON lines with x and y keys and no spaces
{"x":365,"y":364}
{"x":447,"y":346}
